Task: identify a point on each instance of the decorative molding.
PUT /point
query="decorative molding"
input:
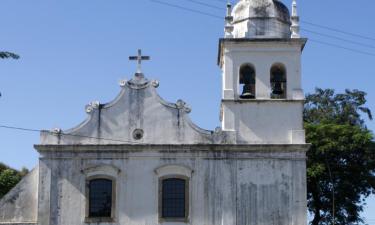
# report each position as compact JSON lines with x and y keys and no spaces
{"x":167,"y":170}
{"x":181,"y":105}
{"x":138,"y":134}
{"x":155,"y":83}
{"x":123,"y":83}
{"x":295,"y":27}
{"x":100,"y":170}
{"x":138,"y":82}
{"x":92,"y":106}
{"x":229,"y":28}
{"x":203,"y":150}
{"x":56,"y":131}
{"x":18,"y":223}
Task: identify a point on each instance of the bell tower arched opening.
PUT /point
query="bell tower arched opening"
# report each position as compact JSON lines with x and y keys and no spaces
{"x":278,"y":81}
{"x":247,"y":81}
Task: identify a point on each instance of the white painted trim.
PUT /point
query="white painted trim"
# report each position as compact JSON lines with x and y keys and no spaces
{"x":100,"y":170}
{"x":174,"y":170}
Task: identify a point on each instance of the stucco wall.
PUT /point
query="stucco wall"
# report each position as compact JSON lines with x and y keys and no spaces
{"x":262,"y":120}
{"x":138,"y":106}
{"x":265,"y":122}
{"x":20,"y":205}
{"x":262,"y":54}
{"x":256,"y":185}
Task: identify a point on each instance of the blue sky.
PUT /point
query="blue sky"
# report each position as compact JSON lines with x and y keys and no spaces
{"x":74,"y":52}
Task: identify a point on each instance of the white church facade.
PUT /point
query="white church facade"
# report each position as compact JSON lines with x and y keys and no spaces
{"x":140,"y":160}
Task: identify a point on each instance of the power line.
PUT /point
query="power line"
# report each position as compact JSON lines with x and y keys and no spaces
{"x":338,"y":30}
{"x":303,"y":21}
{"x":205,"y":4}
{"x":19,"y":128}
{"x":63,"y":134}
{"x":186,"y":9}
{"x":316,"y":41}
{"x":342,"y":47}
{"x":338,"y":38}
{"x":222,"y":1}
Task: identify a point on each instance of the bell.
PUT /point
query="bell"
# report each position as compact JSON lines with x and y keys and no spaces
{"x":277,"y":90}
{"x":246,"y":93}
{"x":277,"y":83}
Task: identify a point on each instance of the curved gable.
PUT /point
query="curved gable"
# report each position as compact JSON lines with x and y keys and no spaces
{"x":137,"y":116}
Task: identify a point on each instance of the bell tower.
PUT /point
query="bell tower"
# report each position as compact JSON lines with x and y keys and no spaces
{"x":260,"y":58}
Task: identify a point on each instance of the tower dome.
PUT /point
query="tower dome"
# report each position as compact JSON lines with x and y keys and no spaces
{"x":261,"y":19}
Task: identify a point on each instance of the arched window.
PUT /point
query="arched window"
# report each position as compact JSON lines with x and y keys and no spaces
{"x":100,"y":192}
{"x":247,"y":81}
{"x":174,"y":193}
{"x":174,"y":198}
{"x":278,"y":81}
{"x":100,"y":198}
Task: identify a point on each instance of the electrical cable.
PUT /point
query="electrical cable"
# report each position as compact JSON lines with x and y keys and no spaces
{"x":186,"y":9}
{"x":313,"y":40}
{"x":64,"y":134}
{"x":311,"y":24}
{"x":342,"y":47}
{"x":339,"y":38}
{"x":205,"y":4}
{"x":338,"y":31}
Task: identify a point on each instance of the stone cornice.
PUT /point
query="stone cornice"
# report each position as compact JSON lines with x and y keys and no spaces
{"x":205,"y":152}
{"x":167,"y":148}
{"x":264,"y":100}
{"x":299,"y":41}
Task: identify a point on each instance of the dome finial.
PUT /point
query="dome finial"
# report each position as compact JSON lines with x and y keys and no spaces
{"x":294,"y":28}
{"x":261,"y":19}
{"x":228,"y":21}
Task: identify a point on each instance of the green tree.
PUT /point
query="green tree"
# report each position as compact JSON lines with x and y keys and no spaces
{"x":341,"y":165}
{"x":9,"y":178}
{"x":6,"y":55}
{"x":3,"y":167}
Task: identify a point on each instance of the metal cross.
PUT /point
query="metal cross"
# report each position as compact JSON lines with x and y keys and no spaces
{"x":139,"y":59}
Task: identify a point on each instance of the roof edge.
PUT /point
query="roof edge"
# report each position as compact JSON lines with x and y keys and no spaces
{"x":169,"y":147}
{"x":222,"y":41}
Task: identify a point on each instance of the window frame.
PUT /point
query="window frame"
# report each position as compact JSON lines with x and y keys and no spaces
{"x":187,"y":199}
{"x":107,"y":172}
{"x":179,"y":172}
{"x":88,"y":218}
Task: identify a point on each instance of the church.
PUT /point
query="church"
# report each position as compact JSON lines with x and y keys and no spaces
{"x":140,"y":160}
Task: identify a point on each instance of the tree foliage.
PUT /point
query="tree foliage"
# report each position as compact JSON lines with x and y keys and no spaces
{"x":324,"y":106}
{"x":341,"y":163}
{"x":6,"y":55}
{"x":9,"y":178}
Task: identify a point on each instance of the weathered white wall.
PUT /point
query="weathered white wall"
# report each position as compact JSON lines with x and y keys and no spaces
{"x":261,"y":28}
{"x":20,"y":205}
{"x":230,"y":185}
{"x":262,"y":54}
{"x":138,"y":106}
{"x":252,"y":171}
{"x":261,"y":19}
{"x":262,"y":120}
{"x":265,"y":122}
